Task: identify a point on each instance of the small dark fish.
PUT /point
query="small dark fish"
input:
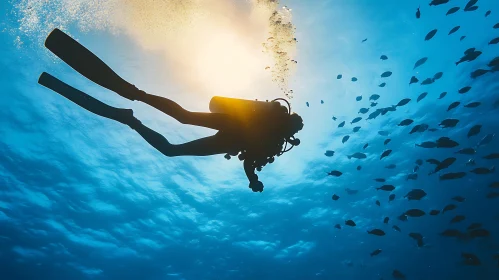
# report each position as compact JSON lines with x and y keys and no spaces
{"x":452,"y":10}
{"x":492,"y":156}
{"x":339,"y":76}
{"x":421,"y":96}
{"x":474,"y":226}
{"x":434,"y":212}
{"x":459,"y":198}
{"x":427,"y":81}
{"x":414,"y":213}
{"x":438,"y":2}
{"x":357,"y":156}
{"x":464,"y":90}
{"x":416,"y":168}
{"x":387,"y":188}
{"x":373,"y":104}
{"x":385,"y":220}
{"x":470,"y":4}
{"x":485,"y":140}
{"x":383,"y":133}
{"x":335,"y":173}
{"x":472,"y":104}
{"x":356,"y":129}
{"x":430,"y":35}
{"x":420,"y":62}
{"x":380,"y":180}
{"x":446,"y":142}
{"x":397,"y":228}
{"x":494,"y":41}
{"x":457,"y":219}
{"x":492,"y":195}
{"x":413,"y":176}
{"x":413,"y":80}
{"x":456,"y":28}
{"x":335,"y":197}
{"x":329,"y":153}
{"x":391,"y":197}
{"x":385,"y":154}
{"x":405,"y":122}
{"x":469,"y":55}
{"x":396,"y":273}
{"x":365,"y":146}
{"x":487,"y":13}
{"x":350,"y":223}
{"x":442,"y":95}
{"x":386,"y":74}
{"x":364,"y":40}
{"x":358,"y":98}
{"x":415,"y":194}
{"x":418,"y":13}
{"x":382,"y":85}
{"x":494,"y":185}
{"x":374,"y":97}
{"x":383,"y":57}
{"x":448,"y":123}
{"x":351,"y":192}
{"x":449,"y":207}
{"x":416,"y":236}
{"x":308,"y":105}
{"x":474,"y":130}
{"x":480,"y":232}
{"x":419,"y":162}
{"x":471,"y":9}
{"x":376,"y":252}
{"x":359,"y":168}
{"x":453,"y":105}
{"x":494,"y":62}
{"x":433,"y":161}
{"x":387,"y":141}
{"x":345,"y":138}
{"x":438,"y":75}
{"x":452,"y":176}
{"x":402,"y":217}
{"x":483,"y":170}
{"x":322,"y":101}
{"x":374,"y":115}
{"x":356,"y":120}
{"x":338,"y":226}
{"x":378,"y":203}
{"x":354,"y":79}
{"x":470,"y":259}
{"x":391,"y":166}
{"x":451,"y":233}
{"x":477,"y":73}
{"x":462,"y":38}
{"x":342,"y":124}
{"x":419,"y":128}
{"x":403,"y":102}
{"x":334,"y":118}
{"x":376,"y":231}
{"x":496,"y":26}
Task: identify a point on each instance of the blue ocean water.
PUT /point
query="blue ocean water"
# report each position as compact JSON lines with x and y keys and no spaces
{"x":82,"y":197}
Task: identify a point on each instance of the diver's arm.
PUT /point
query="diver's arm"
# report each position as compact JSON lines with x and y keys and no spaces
{"x":249,"y":169}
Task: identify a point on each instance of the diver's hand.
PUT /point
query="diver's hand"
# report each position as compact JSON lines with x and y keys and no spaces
{"x":256,"y":186}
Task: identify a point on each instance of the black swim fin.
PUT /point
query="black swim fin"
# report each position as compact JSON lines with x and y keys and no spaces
{"x":85,"y":62}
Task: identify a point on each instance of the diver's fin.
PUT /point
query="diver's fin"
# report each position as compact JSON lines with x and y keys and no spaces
{"x":86,"y":101}
{"x":84,"y":61}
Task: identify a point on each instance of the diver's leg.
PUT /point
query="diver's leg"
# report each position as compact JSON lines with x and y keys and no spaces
{"x":210,"y":120}
{"x":212,"y":145}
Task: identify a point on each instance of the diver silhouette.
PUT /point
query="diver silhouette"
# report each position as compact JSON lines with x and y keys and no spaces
{"x":255,"y":131}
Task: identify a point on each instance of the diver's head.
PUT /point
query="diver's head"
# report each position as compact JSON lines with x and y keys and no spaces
{"x":293,"y":125}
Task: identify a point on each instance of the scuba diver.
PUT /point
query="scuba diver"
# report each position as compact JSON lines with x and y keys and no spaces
{"x":255,"y":131}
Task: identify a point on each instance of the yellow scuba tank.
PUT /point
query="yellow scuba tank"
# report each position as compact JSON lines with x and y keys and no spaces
{"x":243,"y":109}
